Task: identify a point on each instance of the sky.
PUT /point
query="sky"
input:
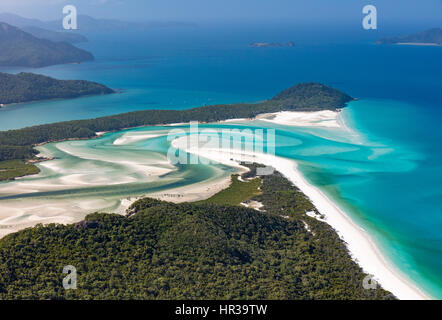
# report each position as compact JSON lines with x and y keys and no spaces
{"x":312,"y":11}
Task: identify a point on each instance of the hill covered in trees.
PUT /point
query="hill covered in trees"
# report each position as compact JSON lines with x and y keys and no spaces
{"x":188,"y":251}
{"x":25,"y":87}
{"x":21,"y":49}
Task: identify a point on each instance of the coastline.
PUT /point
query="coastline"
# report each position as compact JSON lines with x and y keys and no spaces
{"x":360,"y":245}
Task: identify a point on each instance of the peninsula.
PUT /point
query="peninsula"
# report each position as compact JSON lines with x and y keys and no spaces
{"x":25,"y":87}
{"x":18,"y":144}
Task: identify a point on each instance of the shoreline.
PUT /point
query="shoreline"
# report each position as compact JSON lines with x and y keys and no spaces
{"x":361,"y":247}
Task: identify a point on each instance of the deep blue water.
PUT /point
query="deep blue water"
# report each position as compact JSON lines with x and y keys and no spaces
{"x":176,"y":69}
{"x":397,"y":195}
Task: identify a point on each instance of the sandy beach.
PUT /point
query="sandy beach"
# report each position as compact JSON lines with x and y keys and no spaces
{"x":190,"y":193}
{"x":325,"y":118}
{"x":112,"y":170}
{"x":361,"y":247}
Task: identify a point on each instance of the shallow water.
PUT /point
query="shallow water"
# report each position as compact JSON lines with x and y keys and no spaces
{"x":387,"y":175}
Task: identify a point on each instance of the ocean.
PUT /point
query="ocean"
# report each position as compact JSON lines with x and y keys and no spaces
{"x":388,"y":178}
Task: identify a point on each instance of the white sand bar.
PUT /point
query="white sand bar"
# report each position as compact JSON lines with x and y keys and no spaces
{"x":325,"y":118}
{"x":359,"y":244}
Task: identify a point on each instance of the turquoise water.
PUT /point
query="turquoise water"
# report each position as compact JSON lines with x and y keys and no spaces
{"x":388,"y":179}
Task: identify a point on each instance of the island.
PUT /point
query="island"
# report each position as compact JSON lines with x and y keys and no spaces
{"x":25,"y":87}
{"x":55,"y":36}
{"x":212,"y":249}
{"x":91,"y":24}
{"x":21,"y":49}
{"x":272,"y":44}
{"x":432,"y":37}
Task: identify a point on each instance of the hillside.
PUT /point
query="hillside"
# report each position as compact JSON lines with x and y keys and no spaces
{"x":188,"y":251}
{"x":25,"y":87}
{"x":21,"y":49}
{"x":432,"y":36}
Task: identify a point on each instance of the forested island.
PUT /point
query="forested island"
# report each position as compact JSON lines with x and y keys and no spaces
{"x":22,"y":49}
{"x":207,"y":250}
{"x":429,"y":37}
{"x":25,"y":87}
{"x":18,"y":144}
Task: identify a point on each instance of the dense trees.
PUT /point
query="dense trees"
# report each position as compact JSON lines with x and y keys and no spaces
{"x":16,"y":168}
{"x":188,"y":251}
{"x":25,"y":87}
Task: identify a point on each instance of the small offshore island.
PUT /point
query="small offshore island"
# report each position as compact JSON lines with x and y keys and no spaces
{"x":271,"y":44}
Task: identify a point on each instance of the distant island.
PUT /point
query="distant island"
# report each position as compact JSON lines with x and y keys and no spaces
{"x":25,"y":87}
{"x":90,"y":24}
{"x":432,"y":37}
{"x":21,"y":49}
{"x":271,"y":44}
{"x":55,"y":36}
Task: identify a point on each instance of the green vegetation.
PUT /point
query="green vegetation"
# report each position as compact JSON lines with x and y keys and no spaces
{"x":187,"y":251}
{"x":308,"y":97}
{"x":19,"y":48}
{"x":16,"y":168}
{"x":430,"y":36}
{"x":25,"y":87}
{"x":17,"y":144}
{"x":236,"y":193}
